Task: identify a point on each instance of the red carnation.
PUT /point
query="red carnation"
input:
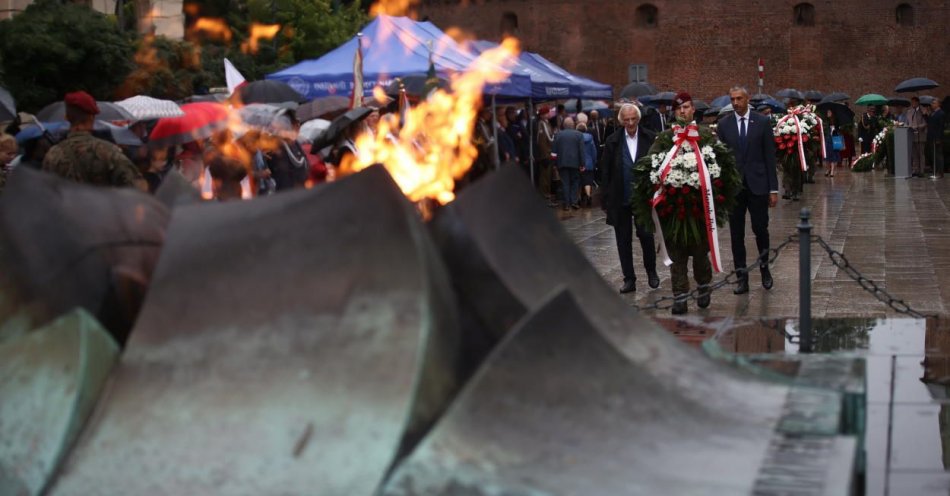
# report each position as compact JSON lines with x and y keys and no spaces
{"x":720,"y":198}
{"x":681,"y":215}
{"x":670,"y":190}
{"x":804,"y":137}
{"x":686,"y":190}
{"x":717,"y":183}
{"x":679,"y":201}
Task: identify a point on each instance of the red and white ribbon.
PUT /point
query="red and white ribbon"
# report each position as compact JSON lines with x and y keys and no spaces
{"x":793,"y":115}
{"x":681,"y":135}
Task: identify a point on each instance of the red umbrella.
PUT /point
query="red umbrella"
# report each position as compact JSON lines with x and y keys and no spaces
{"x":201,"y":120}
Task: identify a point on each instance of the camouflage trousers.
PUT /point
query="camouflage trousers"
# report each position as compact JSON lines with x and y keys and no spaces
{"x":679,"y":271}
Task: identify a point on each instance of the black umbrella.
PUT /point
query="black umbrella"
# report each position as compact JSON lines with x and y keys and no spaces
{"x":417,"y":85}
{"x":7,"y":106}
{"x":836,"y":97}
{"x":700,"y":106}
{"x":813,"y":95}
{"x":636,"y":90}
{"x":842,"y":113}
{"x":339,"y":125}
{"x":721,"y":101}
{"x":790,"y":93}
{"x":759,"y":97}
{"x":323,"y":107}
{"x":896,"y":100}
{"x":108,"y":111}
{"x":666,"y":97}
{"x":927,"y":100}
{"x":915,"y":84}
{"x":268,"y":91}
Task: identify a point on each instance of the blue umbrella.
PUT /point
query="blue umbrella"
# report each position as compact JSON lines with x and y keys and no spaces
{"x":790,"y":93}
{"x":119,"y":135}
{"x":773,"y":104}
{"x":721,"y":101}
{"x":915,"y":84}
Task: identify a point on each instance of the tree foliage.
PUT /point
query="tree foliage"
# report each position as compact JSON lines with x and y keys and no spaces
{"x":53,"y":48}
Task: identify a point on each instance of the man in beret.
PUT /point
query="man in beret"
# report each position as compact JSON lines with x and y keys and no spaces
{"x":681,"y":253}
{"x":749,"y":135}
{"x":85,"y":158}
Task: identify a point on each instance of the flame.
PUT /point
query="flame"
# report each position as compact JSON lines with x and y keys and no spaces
{"x":259,"y":32}
{"x":434,"y":146}
{"x":394,"y":8}
{"x":211,"y":27}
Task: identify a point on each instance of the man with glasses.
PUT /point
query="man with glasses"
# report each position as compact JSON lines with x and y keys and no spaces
{"x":621,"y":150}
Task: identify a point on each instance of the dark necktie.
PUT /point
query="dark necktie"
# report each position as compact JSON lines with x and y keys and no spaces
{"x":662,"y":123}
{"x":742,"y":136}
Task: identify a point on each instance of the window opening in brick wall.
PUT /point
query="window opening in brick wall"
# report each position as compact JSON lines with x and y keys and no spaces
{"x":804,"y":14}
{"x":905,"y":15}
{"x":637,"y":73}
{"x":647,"y":16}
{"x":509,"y":24}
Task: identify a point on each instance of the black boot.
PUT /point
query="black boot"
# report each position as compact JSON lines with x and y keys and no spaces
{"x":705,"y":297}
{"x":766,"y":276}
{"x":679,"y":306}
{"x":743,"y":286}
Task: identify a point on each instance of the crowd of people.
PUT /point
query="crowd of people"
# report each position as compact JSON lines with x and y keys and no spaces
{"x":578,"y":160}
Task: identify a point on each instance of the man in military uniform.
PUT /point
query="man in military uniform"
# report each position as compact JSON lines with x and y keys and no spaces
{"x":85,"y":158}
{"x":680,"y":253}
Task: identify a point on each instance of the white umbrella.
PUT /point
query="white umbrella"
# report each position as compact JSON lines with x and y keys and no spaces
{"x":312,"y":129}
{"x":145,"y":107}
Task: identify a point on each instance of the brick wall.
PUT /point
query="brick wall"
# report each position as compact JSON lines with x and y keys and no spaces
{"x":855,"y":46}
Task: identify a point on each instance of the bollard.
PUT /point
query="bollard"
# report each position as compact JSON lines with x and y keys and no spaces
{"x":804,"y":283}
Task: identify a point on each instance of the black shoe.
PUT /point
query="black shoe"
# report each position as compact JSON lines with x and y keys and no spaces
{"x":679,"y":307}
{"x":628,"y":287}
{"x":576,"y":206}
{"x":743,"y":286}
{"x":653,"y":279}
{"x":766,"y":277}
{"x":566,"y":208}
{"x":552,"y":204}
{"x":704,"y":300}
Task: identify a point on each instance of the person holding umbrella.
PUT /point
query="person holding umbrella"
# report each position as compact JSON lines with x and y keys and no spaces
{"x":914,"y":117}
{"x":85,"y":158}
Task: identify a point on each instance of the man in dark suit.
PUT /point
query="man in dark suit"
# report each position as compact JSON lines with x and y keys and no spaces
{"x":621,"y":150}
{"x":749,"y":135}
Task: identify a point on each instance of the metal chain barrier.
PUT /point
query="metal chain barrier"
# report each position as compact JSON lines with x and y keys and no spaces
{"x":837,"y":258}
{"x":732,"y":278}
{"x":841,"y":261}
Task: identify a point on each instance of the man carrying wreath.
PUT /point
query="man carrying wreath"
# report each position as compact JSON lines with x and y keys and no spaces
{"x":687,"y":185}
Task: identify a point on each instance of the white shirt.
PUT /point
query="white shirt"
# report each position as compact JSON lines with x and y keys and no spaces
{"x":632,"y":144}
{"x":748,"y":113}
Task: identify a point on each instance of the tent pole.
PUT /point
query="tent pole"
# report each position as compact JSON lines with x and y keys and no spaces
{"x":530,"y":134}
{"x":494,"y":130}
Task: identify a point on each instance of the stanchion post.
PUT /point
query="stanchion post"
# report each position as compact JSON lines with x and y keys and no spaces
{"x":804,"y":283}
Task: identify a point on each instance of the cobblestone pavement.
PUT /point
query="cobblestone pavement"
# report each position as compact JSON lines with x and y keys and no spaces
{"x":896,"y":232}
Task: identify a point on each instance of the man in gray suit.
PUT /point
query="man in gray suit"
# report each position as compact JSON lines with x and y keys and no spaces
{"x":568,"y":153}
{"x":749,"y":135}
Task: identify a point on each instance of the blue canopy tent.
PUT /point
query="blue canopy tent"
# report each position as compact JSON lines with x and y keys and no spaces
{"x":545,"y":85}
{"x":590,"y":89}
{"x":548,"y":80}
{"x":392,"y":47}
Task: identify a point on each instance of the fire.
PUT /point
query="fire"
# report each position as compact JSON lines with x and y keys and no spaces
{"x":259,"y":32}
{"x":394,"y":8}
{"x":213,"y":28}
{"x":434,"y":146}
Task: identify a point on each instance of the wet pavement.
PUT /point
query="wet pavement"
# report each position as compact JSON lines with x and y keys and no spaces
{"x":894,"y":232}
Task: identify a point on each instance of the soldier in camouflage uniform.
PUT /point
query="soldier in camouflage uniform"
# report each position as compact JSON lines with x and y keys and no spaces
{"x":85,"y":158}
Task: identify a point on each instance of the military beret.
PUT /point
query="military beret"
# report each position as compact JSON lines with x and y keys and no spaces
{"x":681,"y":98}
{"x":83,"y":101}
